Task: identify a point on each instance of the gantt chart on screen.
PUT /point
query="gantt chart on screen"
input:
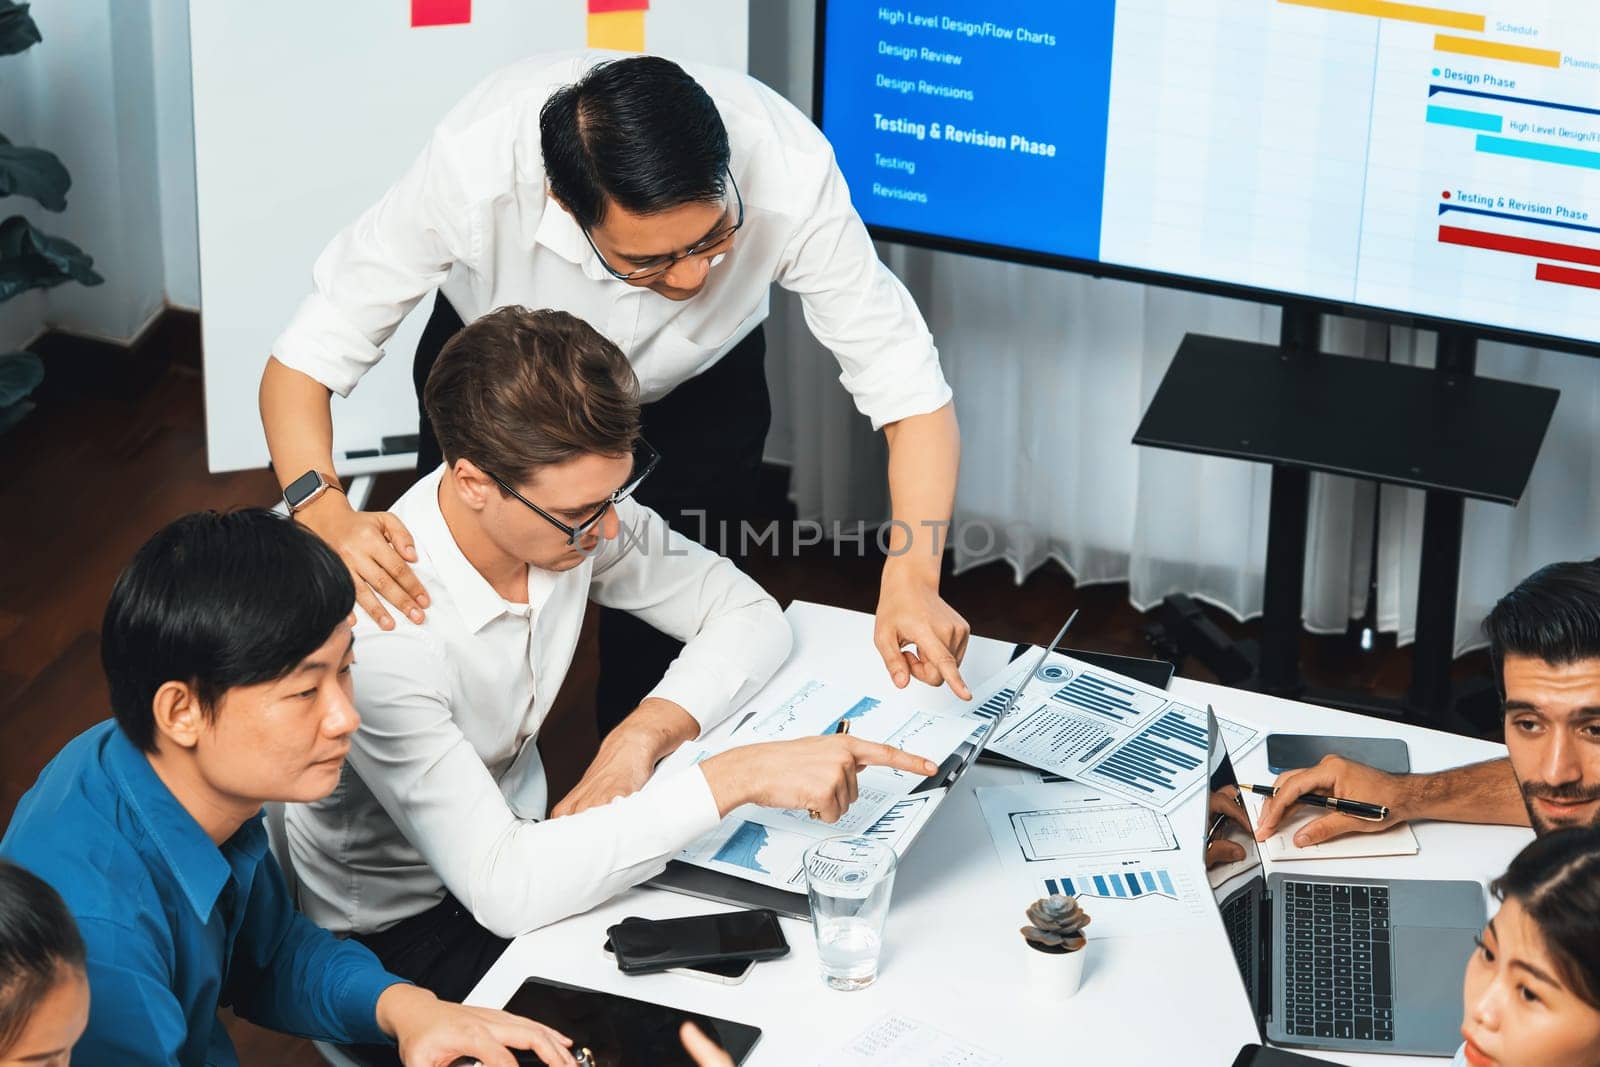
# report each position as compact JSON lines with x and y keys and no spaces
{"x":1441,"y":161}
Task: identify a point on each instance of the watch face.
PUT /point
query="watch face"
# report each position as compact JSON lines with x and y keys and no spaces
{"x":299,"y":491}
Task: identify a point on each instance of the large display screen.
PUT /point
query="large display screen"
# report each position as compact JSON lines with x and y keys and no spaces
{"x":1428,"y":163}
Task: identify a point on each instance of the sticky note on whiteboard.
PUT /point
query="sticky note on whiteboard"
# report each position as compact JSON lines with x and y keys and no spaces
{"x":440,"y":12}
{"x":619,"y":30}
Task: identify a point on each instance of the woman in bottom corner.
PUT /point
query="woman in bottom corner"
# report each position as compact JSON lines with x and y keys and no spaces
{"x":1532,"y":994}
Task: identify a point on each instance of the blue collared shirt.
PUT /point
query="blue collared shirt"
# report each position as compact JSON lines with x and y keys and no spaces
{"x":176,"y":925}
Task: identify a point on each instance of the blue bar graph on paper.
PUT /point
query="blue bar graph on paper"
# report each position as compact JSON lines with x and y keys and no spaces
{"x":1539,"y":153}
{"x":995,"y":704}
{"x":1126,"y":885}
{"x":1467,"y":120}
{"x":1107,"y":698}
{"x":1170,"y":749}
{"x":889,"y":823}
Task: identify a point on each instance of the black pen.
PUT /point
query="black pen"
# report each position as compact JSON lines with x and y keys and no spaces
{"x":1356,"y":808}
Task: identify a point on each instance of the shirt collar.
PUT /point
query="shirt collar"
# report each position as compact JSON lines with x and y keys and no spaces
{"x":200,"y":868}
{"x":560,"y":232}
{"x":475,"y":599}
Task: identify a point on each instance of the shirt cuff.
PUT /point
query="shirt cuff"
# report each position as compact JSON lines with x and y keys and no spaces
{"x":320,"y":344}
{"x":687,"y":807}
{"x":358,"y":1004}
{"x":922,"y":402}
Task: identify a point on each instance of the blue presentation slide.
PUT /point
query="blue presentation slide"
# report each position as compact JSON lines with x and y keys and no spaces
{"x":931,"y":97}
{"x":1435,"y":159}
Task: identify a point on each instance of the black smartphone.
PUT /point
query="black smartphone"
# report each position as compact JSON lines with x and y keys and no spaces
{"x":1287,"y":752}
{"x":725,"y":972}
{"x":655,"y":945}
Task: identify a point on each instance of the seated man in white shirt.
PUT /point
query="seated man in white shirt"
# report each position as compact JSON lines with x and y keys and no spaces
{"x":435,"y":848}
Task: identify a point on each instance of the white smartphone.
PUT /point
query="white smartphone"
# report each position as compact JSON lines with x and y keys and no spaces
{"x":723,"y":972}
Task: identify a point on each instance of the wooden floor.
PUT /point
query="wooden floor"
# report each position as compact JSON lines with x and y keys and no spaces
{"x":101,"y":466}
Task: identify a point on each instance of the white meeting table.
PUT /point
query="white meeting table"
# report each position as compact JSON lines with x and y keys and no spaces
{"x":951,"y":948}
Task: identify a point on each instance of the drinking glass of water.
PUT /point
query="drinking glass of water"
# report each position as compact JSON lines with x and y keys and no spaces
{"x":849,"y":880}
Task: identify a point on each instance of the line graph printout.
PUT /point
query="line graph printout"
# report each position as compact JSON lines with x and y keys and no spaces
{"x":834,"y":677}
{"x":1107,"y":731}
{"x":818,"y":708}
{"x":1033,"y":825}
{"x":1072,"y":830}
{"x":772,"y":855}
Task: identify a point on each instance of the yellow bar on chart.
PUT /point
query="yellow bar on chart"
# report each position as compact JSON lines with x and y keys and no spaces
{"x":1511,"y":53}
{"x":622,"y":31}
{"x":1384,"y":9}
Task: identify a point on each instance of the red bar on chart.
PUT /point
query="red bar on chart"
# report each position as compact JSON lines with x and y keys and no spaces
{"x":1550,"y":272}
{"x":1522,"y":246}
{"x":440,"y":12}
{"x":603,"y":7}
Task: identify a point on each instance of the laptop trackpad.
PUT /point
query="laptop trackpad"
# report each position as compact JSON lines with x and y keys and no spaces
{"x":1429,"y":967}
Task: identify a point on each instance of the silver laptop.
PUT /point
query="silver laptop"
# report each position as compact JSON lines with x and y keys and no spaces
{"x":1353,"y":964}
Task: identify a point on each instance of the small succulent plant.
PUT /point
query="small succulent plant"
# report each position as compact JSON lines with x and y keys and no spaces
{"x":1055,"y":924}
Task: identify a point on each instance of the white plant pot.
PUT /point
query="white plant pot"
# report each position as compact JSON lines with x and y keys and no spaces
{"x":1051,"y":977}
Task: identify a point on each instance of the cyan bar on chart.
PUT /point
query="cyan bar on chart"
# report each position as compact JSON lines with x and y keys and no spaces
{"x":1467,"y":120}
{"x":1543,"y":153}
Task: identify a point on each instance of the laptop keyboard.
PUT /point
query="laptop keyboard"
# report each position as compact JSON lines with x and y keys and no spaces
{"x":1239,"y":919}
{"x":1337,"y":976}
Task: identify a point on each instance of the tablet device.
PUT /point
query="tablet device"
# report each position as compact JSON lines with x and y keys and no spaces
{"x":621,"y":1031}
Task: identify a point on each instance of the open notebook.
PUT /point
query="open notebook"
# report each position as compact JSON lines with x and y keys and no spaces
{"x":1395,"y":841}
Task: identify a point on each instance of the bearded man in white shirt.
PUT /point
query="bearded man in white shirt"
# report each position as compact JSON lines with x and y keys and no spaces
{"x":660,"y":207}
{"x":435,"y":849}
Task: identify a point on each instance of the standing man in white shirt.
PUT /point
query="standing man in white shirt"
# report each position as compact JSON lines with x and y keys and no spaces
{"x":659,"y":207}
{"x":435,"y":847}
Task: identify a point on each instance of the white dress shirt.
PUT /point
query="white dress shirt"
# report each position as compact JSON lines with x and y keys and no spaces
{"x":472,"y":217}
{"x":444,"y":786}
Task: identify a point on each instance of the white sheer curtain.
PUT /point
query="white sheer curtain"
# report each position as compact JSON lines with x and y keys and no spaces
{"x":1052,"y":372}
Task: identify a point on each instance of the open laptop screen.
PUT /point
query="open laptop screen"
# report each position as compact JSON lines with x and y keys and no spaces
{"x":1234,"y":871}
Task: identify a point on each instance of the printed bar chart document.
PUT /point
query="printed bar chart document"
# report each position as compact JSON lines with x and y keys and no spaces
{"x":1105,"y":730}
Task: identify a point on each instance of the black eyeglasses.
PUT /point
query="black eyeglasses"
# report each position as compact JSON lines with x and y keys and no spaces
{"x":645,"y":459}
{"x":658,"y":267}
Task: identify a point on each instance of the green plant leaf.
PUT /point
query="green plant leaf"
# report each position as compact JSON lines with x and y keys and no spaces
{"x":20,"y":374}
{"x":18,"y":31}
{"x":34,"y":173}
{"x":33,"y":260}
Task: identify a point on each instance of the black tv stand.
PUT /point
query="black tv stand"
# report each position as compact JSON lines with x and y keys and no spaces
{"x":1445,"y":430}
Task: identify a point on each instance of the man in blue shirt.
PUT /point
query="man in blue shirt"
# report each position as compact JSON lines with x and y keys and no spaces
{"x":227,"y":644}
